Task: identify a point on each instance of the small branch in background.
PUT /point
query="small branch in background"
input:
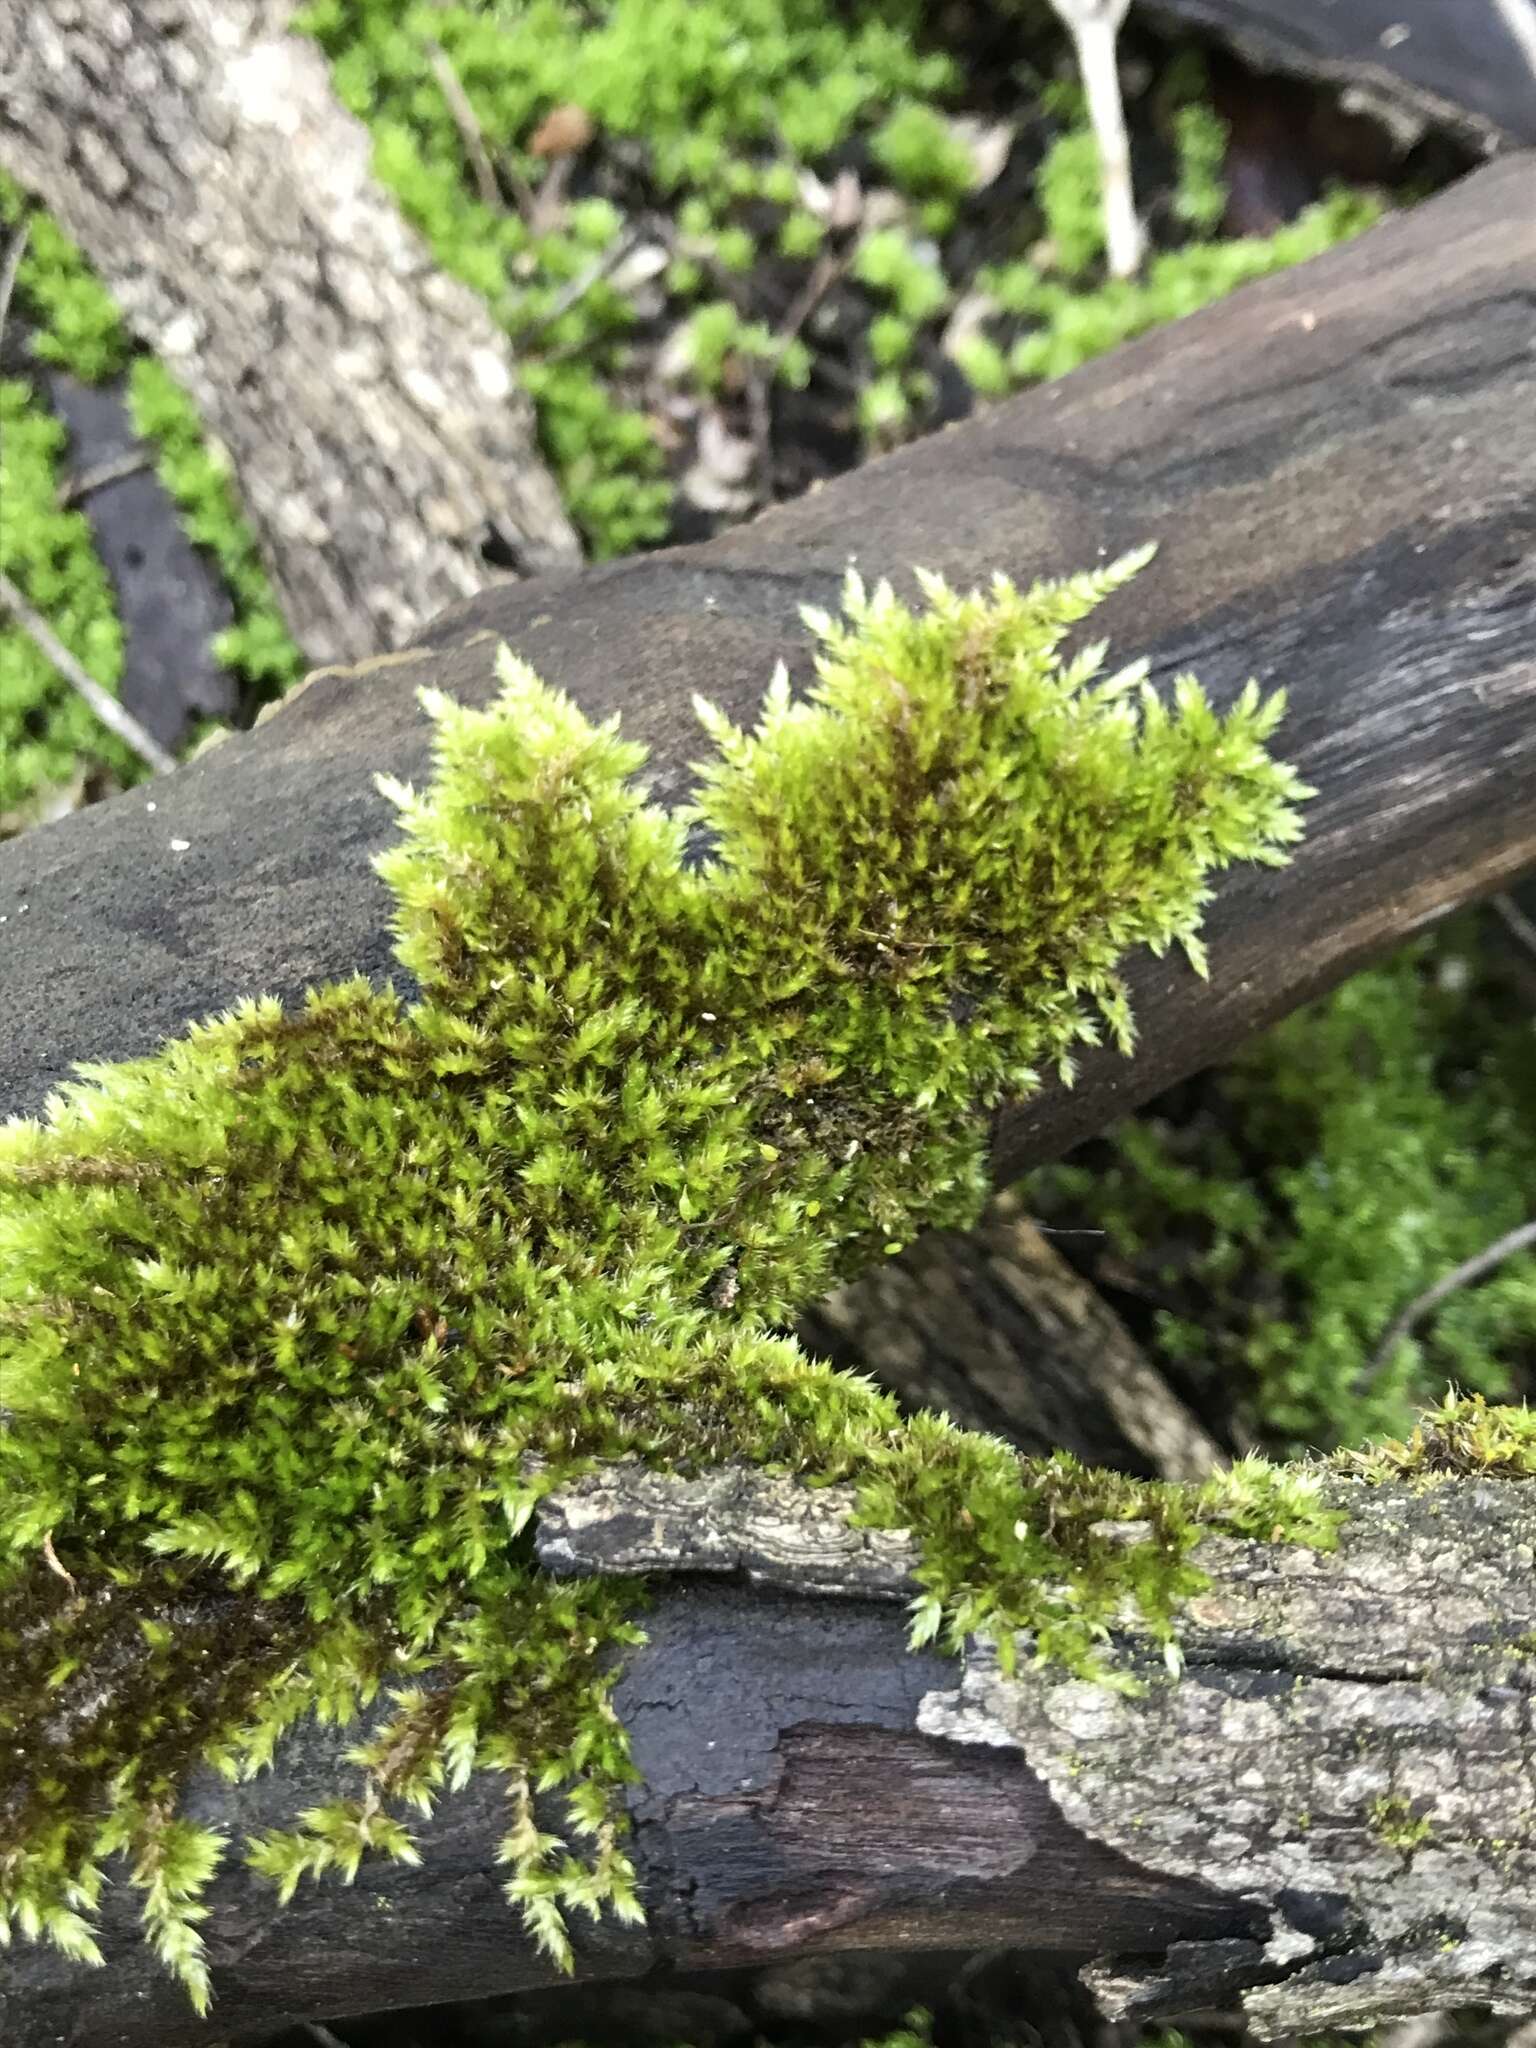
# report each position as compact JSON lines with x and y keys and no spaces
{"x":73,"y":488}
{"x":1517,"y":1240}
{"x":102,"y":702}
{"x":1515,"y":921}
{"x":10,"y":265}
{"x":577,"y":287}
{"x":470,"y":134}
{"x":1095,"y":29}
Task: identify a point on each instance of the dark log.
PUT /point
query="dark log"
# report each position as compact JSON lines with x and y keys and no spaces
{"x":367,"y":401}
{"x":1328,"y":1816}
{"x":1468,"y":66}
{"x":1340,"y":466}
{"x":993,"y":1327}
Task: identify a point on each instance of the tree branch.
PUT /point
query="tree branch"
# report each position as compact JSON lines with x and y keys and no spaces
{"x":1340,"y":467}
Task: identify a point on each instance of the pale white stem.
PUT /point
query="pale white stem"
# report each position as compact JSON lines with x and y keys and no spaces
{"x":1095,"y":27}
{"x":102,"y":702}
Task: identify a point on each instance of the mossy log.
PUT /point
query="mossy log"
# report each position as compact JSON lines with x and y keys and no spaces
{"x":1340,"y":466}
{"x":367,"y":401}
{"x":1328,"y":1814}
{"x":1469,"y":68}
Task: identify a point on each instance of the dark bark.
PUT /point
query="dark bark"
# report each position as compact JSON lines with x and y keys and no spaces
{"x":809,"y":1785}
{"x":1468,"y":66}
{"x":367,"y":401}
{"x":1340,"y":466}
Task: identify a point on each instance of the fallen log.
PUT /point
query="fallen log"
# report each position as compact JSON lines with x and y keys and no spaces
{"x":1343,"y":490}
{"x":367,"y":401}
{"x":1417,"y":64}
{"x":1327,"y":1815}
{"x":1340,"y":467}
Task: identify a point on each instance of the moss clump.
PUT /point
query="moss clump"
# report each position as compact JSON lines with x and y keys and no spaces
{"x":1394,"y":1822}
{"x":1464,"y":1438}
{"x":287,"y":1309}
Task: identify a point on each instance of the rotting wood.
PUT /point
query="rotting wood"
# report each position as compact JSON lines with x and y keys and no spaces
{"x":367,"y":401}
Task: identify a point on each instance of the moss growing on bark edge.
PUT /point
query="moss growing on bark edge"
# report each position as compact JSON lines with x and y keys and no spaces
{"x":287,"y":1309}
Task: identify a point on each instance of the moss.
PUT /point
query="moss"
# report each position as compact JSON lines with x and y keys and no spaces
{"x":1463,"y":1438}
{"x":288,"y":1307}
{"x":45,"y":728}
{"x":1394,"y":1822}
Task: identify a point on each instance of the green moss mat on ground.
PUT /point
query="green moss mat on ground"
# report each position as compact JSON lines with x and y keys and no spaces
{"x":1273,"y":1220}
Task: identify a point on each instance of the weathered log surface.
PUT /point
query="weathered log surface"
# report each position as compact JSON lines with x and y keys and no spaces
{"x":367,"y":401}
{"x":1465,"y":65}
{"x":1329,"y":1814}
{"x":1340,"y":466}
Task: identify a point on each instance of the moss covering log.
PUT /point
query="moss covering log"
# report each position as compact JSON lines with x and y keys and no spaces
{"x":1338,"y":465}
{"x":644,"y":1107}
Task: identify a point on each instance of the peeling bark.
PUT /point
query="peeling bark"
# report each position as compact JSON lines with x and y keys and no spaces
{"x":1327,"y":1814}
{"x":367,"y":401}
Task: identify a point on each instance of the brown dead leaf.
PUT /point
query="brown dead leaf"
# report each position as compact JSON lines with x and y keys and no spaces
{"x":564,"y":131}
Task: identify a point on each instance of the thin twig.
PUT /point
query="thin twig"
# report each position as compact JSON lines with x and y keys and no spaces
{"x":51,"y":1559}
{"x":100,"y":474}
{"x":577,"y":287}
{"x":10,"y":266}
{"x":1517,"y":1240}
{"x":468,"y":125}
{"x":1515,"y":921}
{"x":106,"y":707}
{"x":1095,"y":29}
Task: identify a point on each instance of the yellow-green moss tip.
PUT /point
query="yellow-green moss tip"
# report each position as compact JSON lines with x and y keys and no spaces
{"x":287,"y":1308}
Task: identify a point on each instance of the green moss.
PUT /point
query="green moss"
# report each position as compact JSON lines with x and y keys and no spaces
{"x":45,"y":729}
{"x":288,"y":1308}
{"x":725,"y":102}
{"x":1335,"y":1170}
{"x":1463,"y":1438}
{"x":1394,"y":1821}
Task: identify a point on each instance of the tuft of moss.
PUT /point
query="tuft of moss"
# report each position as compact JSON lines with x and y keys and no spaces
{"x":302,"y":1315}
{"x":1464,"y":1438}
